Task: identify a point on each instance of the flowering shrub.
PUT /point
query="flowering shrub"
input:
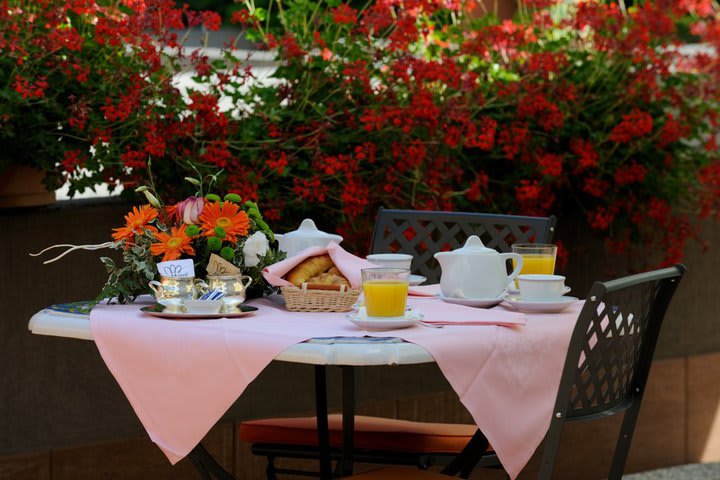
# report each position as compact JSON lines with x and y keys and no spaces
{"x":583,"y":107}
{"x":88,"y":94}
{"x":196,"y":228}
{"x":572,"y":107}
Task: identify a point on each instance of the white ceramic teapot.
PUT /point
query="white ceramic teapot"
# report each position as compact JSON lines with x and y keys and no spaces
{"x":307,"y":235}
{"x":475,"y":271}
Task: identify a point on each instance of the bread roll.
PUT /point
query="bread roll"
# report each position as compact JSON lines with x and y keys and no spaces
{"x":308,"y":268}
{"x":328,"y":279}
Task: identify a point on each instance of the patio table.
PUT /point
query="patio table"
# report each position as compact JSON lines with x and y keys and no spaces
{"x":506,"y":376}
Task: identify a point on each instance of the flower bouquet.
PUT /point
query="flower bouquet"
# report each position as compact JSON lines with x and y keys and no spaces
{"x":196,"y":228}
{"x":218,"y":237}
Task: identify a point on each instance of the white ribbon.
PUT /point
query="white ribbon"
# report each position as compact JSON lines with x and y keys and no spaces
{"x":71,"y":248}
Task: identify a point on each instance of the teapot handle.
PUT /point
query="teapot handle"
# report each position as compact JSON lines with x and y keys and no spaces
{"x":518,"y":265}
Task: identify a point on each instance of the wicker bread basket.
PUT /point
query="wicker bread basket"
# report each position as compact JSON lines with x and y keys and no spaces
{"x":305,"y":299}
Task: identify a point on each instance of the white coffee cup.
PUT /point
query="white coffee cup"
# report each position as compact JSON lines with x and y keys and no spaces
{"x":391,"y":260}
{"x":541,"y":288}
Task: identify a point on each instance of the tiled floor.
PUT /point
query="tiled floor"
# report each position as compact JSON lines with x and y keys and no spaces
{"x":707,"y":471}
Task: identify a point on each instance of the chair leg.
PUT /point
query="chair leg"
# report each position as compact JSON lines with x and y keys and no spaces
{"x":270,"y":469}
{"x":552,"y":442}
{"x":622,"y":448}
{"x":199,"y":466}
{"x":468,"y":458}
{"x":207,"y":466}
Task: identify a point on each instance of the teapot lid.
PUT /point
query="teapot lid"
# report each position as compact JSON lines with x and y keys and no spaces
{"x":307,"y":229}
{"x":473,"y":245}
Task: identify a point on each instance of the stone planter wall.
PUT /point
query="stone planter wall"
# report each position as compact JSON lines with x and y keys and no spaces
{"x":21,"y":186}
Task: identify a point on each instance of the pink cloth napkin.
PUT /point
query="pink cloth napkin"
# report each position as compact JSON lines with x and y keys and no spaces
{"x":506,"y":377}
{"x":424,"y":290}
{"x":441,"y":313}
{"x":348,"y":264}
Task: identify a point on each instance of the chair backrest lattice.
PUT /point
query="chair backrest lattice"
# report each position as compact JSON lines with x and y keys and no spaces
{"x":423,"y":233}
{"x":610,"y":355}
{"x":610,"y":352}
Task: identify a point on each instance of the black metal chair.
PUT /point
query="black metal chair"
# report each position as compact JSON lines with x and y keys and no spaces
{"x":609,"y":358}
{"x":420,"y":233}
{"x":606,"y":367}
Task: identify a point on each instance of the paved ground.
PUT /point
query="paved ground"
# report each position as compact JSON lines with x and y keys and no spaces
{"x":706,"y":471}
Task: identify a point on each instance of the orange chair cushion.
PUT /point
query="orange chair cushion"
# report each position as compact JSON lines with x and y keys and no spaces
{"x":373,"y":433}
{"x":399,"y":473}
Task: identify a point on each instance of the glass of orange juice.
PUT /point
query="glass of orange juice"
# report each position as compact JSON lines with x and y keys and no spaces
{"x":537,"y":257}
{"x":385,"y":291}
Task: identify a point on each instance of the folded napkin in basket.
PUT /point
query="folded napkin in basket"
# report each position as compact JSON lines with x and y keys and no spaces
{"x":348,"y":264}
{"x":438,"y":312}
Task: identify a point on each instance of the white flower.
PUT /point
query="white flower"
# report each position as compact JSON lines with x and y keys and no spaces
{"x":255,"y":246}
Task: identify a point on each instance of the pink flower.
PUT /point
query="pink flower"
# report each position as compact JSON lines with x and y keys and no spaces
{"x":190,"y":209}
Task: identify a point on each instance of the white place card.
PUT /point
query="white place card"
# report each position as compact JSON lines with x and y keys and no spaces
{"x":177,"y":268}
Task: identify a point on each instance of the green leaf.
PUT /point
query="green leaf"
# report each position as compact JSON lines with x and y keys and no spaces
{"x":260,"y":14}
{"x":109,"y":262}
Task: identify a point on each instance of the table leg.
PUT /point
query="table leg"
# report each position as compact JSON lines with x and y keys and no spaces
{"x":348,"y":418}
{"x":322,"y":421}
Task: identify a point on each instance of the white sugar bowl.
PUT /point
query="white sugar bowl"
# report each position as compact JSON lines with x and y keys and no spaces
{"x":307,"y":235}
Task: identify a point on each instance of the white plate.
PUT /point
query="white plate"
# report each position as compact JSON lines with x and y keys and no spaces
{"x":472,"y":302}
{"x":416,"y":280}
{"x":554,"y":306}
{"x":411,"y":318}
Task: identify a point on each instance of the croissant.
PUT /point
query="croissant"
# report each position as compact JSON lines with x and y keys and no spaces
{"x":328,"y":279}
{"x":308,"y":268}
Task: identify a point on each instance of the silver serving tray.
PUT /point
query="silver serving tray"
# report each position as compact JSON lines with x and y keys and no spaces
{"x":158,"y":310}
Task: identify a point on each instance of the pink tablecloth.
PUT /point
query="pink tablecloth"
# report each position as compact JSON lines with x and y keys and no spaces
{"x":181,"y":376}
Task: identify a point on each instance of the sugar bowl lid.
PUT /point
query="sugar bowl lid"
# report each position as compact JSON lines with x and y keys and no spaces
{"x":308,"y":230}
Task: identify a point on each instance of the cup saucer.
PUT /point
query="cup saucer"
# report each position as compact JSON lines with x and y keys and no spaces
{"x":472,"y":302}
{"x":553,"y":305}
{"x":360,"y":319}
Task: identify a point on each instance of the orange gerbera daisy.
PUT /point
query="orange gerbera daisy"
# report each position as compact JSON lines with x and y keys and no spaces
{"x":226,"y":215}
{"x":172,"y":245}
{"x":172,"y":212}
{"x":136,"y":222}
